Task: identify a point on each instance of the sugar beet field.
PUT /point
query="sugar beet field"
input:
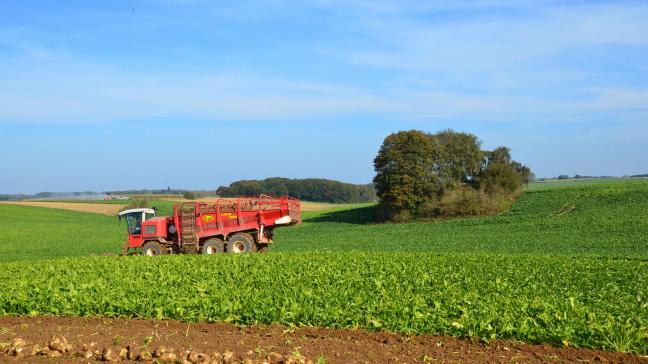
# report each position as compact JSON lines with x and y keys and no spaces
{"x":566,"y":266}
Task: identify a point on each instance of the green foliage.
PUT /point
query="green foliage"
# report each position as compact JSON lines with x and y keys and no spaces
{"x":431,"y":175}
{"x":457,"y":157}
{"x":311,"y":189}
{"x":404,"y":178}
{"x":589,"y":302}
{"x":189,"y":195}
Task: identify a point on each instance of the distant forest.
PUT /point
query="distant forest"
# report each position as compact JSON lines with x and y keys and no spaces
{"x":311,"y":189}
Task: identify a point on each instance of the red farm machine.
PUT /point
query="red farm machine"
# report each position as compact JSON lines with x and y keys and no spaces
{"x":242,"y":225}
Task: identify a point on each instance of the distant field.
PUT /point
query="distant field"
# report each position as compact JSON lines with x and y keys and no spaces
{"x":581,"y":182}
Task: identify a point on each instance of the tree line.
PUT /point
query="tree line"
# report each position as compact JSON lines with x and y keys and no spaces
{"x":310,"y":189}
{"x":422,"y":175}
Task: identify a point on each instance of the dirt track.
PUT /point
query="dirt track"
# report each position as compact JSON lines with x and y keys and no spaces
{"x":254,"y":344}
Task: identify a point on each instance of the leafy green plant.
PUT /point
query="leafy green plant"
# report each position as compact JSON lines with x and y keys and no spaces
{"x":588,"y":302}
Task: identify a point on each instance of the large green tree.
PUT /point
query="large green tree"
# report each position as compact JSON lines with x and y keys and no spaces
{"x":404,"y":174}
{"x":457,"y":157}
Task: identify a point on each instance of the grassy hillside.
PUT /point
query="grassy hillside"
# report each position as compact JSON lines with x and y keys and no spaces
{"x":604,"y":219}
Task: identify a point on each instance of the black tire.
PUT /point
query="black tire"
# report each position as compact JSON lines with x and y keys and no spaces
{"x":262,"y":248}
{"x":213,"y":246}
{"x":152,"y":248}
{"x":240,"y":243}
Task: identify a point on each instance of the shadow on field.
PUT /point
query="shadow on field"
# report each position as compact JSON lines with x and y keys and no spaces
{"x":360,"y":216}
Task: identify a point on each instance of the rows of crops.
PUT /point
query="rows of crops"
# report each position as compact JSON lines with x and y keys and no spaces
{"x":586,"y":302}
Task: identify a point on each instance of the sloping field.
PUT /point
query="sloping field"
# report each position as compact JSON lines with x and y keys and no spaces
{"x":609,"y":219}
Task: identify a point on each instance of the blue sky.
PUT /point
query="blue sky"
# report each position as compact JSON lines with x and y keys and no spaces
{"x":196,"y":94}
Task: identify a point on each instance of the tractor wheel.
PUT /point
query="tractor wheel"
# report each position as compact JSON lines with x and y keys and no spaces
{"x":152,"y":248}
{"x":240,"y":243}
{"x":212,"y":246}
{"x":262,"y":247}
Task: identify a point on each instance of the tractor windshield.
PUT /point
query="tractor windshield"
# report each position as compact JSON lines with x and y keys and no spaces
{"x":134,"y":221}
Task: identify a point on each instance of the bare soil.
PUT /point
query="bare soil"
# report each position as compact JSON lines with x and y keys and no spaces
{"x":97,"y":208}
{"x":91,"y":339}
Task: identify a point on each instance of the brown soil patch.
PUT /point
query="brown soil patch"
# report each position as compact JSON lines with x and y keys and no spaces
{"x":97,"y":208}
{"x":258,"y":343}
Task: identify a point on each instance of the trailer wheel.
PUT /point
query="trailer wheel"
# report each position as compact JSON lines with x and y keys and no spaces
{"x":152,"y":249}
{"x":240,"y":243}
{"x":212,"y":246}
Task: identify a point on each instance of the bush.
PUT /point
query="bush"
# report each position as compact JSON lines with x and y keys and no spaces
{"x":420,"y":175}
{"x":188,"y":195}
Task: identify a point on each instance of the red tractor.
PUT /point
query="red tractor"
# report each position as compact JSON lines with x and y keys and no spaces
{"x":242,"y":225}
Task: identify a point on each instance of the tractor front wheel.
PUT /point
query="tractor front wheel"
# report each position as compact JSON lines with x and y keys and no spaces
{"x":152,"y":249}
{"x":240,"y":243}
{"x":212,"y":246}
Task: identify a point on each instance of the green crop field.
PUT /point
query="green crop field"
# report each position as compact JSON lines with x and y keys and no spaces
{"x":567,"y":265}
{"x":588,"y":302}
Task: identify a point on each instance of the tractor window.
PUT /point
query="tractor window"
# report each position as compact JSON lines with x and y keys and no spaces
{"x":134,"y":222}
{"x":149,"y":216}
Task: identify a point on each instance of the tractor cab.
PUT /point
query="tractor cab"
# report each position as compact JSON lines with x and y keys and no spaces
{"x":134,"y":218}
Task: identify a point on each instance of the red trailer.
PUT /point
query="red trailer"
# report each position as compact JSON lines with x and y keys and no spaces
{"x":240,"y":225}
